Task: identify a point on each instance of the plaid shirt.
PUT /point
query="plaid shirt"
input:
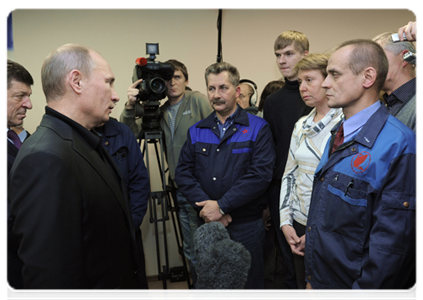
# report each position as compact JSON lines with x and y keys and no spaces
{"x":400,"y":97}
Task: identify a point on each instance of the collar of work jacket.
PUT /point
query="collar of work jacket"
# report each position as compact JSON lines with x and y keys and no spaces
{"x":240,"y":117}
{"x":366,"y":136}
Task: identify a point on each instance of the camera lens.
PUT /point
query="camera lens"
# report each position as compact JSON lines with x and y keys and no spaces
{"x":157,"y":85}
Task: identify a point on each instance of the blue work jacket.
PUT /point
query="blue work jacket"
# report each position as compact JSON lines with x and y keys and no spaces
{"x":120,"y":142}
{"x":235,"y":170}
{"x":361,"y":228}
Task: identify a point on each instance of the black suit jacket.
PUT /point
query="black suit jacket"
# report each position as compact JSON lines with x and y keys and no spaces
{"x":11,"y":242}
{"x":14,"y":264}
{"x":70,"y":214}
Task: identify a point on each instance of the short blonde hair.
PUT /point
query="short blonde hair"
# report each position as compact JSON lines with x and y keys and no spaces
{"x":313,"y":62}
{"x":292,"y":37}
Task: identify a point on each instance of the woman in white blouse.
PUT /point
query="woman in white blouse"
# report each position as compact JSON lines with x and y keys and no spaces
{"x":308,"y":142}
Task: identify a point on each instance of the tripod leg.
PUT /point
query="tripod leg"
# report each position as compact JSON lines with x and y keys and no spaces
{"x":178,"y":232}
{"x":159,"y":198}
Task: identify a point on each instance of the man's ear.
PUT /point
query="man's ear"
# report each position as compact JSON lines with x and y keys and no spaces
{"x":238,"y":91}
{"x":369,"y":77}
{"x":404,"y":62}
{"x":75,"y":81}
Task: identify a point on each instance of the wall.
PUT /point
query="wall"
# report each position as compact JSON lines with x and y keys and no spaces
{"x":191,"y":37}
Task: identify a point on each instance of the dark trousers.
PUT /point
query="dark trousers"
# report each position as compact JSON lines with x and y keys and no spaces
{"x":141,"y":258}
{"x":274,"y":264}
{"x":299,"y":260}
{"x":251,"y":236}
{"x":274,"y":194}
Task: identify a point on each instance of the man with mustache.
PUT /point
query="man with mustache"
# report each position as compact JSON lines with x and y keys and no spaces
{"x":226,"y":165}
{"x":69,"y":205}
{"x":182,"y":109}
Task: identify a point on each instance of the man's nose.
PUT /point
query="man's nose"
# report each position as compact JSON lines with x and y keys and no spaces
{"x":115,"y":96}
{"x":325,"y":84}
{"x":27,"y":103}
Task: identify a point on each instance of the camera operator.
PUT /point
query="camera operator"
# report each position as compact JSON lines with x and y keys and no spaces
{"x":182,"y":109}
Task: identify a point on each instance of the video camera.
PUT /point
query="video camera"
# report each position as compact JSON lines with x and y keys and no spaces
{"x":153,"y":87}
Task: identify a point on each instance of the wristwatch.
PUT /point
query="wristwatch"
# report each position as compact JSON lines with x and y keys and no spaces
{"x":221,"y":211}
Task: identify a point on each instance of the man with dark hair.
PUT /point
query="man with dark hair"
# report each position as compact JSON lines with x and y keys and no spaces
{"x":282,"y":110}
{"x":69,"y":205}
{"x":19,"y":83}
{"x":226,"y":165}
{"x":400,"y":83}
{"x":182,"y":109}
{"x":361,"y":228}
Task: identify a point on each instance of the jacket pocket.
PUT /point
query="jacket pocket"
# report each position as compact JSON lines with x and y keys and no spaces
{"x":346,"y":212}
{"x":241,"y":157}
{"x":202,"y":152}
{"x":398,"y":222}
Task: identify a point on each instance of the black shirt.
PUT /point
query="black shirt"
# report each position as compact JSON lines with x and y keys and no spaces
{"x":400,"y":97}
{"x":282,"y":110}
{"x":93,"y":139}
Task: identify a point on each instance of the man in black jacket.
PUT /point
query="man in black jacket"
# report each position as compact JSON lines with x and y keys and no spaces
{"x":19,"y":82}
{"x":69,"y":204}
{"x":282,"y":110}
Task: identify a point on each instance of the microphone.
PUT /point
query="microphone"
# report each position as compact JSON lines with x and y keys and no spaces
{"x":141,"y":61}
{"x":221,"y":262}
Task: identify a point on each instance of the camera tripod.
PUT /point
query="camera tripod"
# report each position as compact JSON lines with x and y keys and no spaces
{"x":164,"y":198}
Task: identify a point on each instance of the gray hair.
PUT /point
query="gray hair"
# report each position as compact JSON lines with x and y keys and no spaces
{"x":388,"y":44}
{"x":220,"y":67}
{"x":59,"y":63}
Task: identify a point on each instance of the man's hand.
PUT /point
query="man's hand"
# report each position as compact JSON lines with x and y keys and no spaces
{"x":297,"y":244}
{"x":225,"y":220}
{"x":210,"y":211}
{"x":312,"y":294}
{"x":410,"y":31}
{"x":132,"y":94}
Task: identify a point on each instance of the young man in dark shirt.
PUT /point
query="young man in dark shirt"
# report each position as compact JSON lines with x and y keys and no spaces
{"x":281,"y":110}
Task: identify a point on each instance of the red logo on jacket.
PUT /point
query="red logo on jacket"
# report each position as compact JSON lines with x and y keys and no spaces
{"x":360,"y":162}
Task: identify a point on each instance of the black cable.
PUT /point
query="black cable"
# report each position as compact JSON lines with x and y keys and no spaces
{"x":219,"y":37}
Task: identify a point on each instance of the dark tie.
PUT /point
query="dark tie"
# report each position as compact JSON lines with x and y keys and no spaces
{"x":15,"y":139}
{"x":339,"y":138}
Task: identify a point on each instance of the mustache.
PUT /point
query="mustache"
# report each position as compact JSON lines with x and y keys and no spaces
{"x":218,"y":101}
